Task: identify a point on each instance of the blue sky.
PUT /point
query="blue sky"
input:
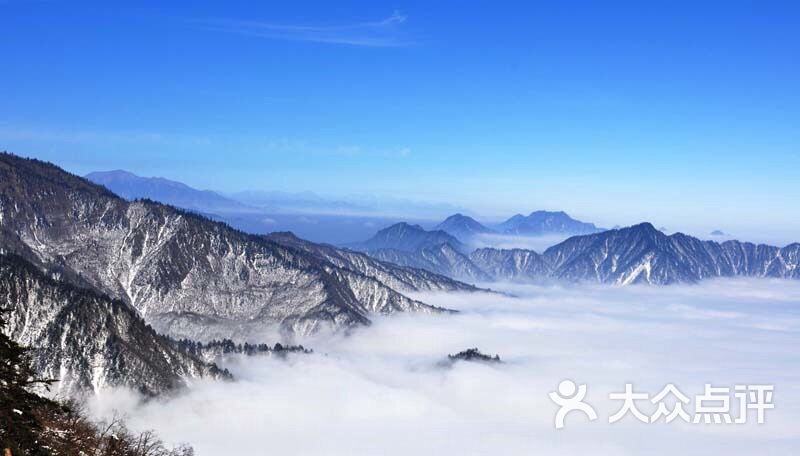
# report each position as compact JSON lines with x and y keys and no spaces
{"x":684,"y":114}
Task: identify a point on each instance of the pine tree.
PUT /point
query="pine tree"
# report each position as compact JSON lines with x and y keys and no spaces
{"x":32,"y":425}
{"x":18,"y":422}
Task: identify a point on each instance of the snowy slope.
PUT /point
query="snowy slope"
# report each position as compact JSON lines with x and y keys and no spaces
{"x":87,"y":341}
{"x":164,"y":261}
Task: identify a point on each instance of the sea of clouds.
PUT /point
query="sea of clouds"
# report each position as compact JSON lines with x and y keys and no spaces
{"x":382,"y":389}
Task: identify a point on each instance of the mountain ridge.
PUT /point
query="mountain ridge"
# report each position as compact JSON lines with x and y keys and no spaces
{"x":636,"y":254}
{"x":643,"y":254}
{"x":166,"y":261}
{"x":131,"y":187}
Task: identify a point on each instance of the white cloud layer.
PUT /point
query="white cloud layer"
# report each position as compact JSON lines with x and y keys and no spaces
{"x":506,"y":241}
{"x":379,"y":391}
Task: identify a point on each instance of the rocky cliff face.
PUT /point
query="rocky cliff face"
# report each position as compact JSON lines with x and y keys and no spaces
{"x":167,"y":262}
{"x":510,"y":265}
{"x":88,"y":341}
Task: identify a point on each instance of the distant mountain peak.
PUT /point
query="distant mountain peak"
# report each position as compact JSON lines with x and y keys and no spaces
{"x":402,"y":229}
{"x":113,"y":172}
{"x":462,"y":226}
{"x":540,"y":223}
{"x":645,"y":226}
{"x":458,"y":216}
{"x":404,"y":225}
{"x":545,"y":213}
{"x":404,"y":236}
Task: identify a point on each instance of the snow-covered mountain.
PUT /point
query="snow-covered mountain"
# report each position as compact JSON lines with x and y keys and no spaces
{"x":188,"y":275}
{"x":88,"y":341}
{"x":131,"y":187}
{"x":540,"y":223}
{"x":642,"y":253}
{"x":510,"y":264}
{"x":462,"y":227}
{"x":636,"y":254}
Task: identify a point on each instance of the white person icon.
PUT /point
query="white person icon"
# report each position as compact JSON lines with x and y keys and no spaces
{"x":569,"y":401}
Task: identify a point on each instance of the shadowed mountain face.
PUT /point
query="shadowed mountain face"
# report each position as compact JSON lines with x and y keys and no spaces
{"x":540,"y":223}
{"x":88,"y":341}
{"x":185,"y":274}
{"x":407,"y":238}
{"x":462,"y":227}
{"x":131,"y":186}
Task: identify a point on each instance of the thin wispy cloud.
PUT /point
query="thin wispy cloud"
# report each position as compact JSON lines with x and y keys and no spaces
{"x":40,"y":136}
{"x":97,"y":137}
{"x":380,"y":33}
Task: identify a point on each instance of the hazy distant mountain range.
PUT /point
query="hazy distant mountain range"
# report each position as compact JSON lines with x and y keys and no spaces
{"x":308,"y":201}
{"x":305,"y":213}
{"x":250,"y":210}
{"x":538,"y":223}
{"x":131,"y":187}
